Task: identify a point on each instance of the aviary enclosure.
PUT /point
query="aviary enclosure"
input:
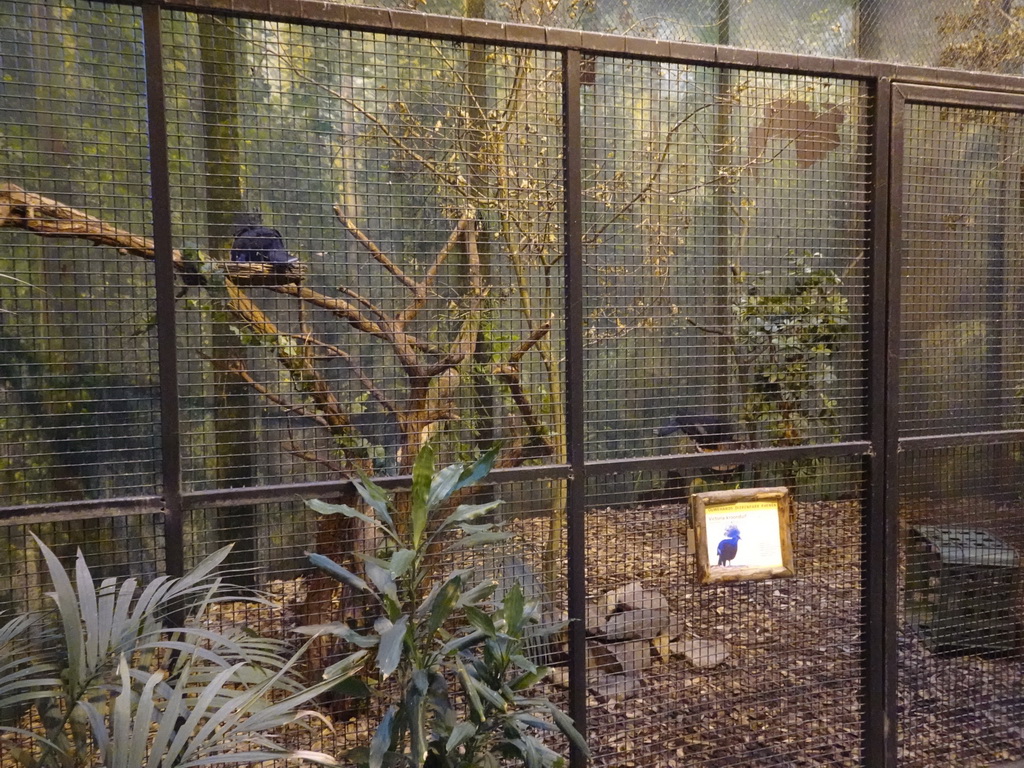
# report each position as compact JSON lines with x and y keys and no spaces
{"x":566,"y":242}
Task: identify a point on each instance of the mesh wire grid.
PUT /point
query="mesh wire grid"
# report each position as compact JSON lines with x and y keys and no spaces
{"x":960,"y":667}
{"x":962,"y":323}
{"x":418,"y":183}
{"x":125,"y":545}
{"x":724,"y":229}
{"x":755,"y":673}
{"x":686,"y":172}
{"x":78,"y":396}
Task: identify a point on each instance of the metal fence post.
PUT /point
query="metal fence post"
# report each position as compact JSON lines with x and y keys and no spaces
{"x":879,"y":553}
{"x":160,"y":185}
{"x":576,"y":496}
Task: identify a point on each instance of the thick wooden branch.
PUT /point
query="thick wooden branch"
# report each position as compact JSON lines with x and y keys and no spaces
{"x":282,"y":402}
{"x":357,"y":371}
{"x":20,"y":209}
{"x":529,"y":343}
{"x":465,"y":343}
{"x":511,"y":375}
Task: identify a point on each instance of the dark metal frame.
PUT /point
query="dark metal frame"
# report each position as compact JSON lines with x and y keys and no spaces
{"x":902,"y":95}
{"x":890,"y":86}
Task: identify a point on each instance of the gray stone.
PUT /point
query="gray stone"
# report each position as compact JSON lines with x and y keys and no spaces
{"x":595,"y":619}
{"x":635,"y":596}
{"x":614,"y":687}
{"x":601,"y":659}
{"x":676,"y":627}
{"x":637,"y":624}
{"x":633,"y":655}
{"x":702,"y":653}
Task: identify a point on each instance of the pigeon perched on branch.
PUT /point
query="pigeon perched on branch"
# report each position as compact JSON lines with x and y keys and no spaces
{"x":257,"y":244}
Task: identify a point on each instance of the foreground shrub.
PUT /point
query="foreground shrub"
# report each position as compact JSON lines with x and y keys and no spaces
{"x":104,"y":681}
{"x":443,"y":658}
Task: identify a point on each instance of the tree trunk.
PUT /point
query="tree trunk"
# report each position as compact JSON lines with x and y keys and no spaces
{"x":234,"y":433}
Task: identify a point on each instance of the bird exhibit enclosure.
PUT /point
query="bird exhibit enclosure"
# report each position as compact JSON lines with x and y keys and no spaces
{"x":735,"y":336}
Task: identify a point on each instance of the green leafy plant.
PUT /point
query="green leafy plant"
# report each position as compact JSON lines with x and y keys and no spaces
{"x":111,"y":684}
{"x":443,"y":657}
{"x":786,"y":341}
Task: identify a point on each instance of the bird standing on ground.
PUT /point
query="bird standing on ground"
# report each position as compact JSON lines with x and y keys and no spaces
{"x":728,"y":546}
{"x":709,"y":433}
{"x":256,"y":244}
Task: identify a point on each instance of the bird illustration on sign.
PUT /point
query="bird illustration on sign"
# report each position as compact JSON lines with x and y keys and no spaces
{"x":729,"y":546}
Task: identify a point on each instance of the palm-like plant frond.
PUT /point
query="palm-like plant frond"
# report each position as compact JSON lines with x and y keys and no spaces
{"x":121,"y":687}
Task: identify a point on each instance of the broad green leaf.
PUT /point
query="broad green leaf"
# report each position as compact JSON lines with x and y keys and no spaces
{"x":532,"y":721}
{"x":523,"y":663}
{"x":513,"y":607}
{"x":477,"y":540}
{"x":526,"y":681}
{"x":382,"y":739}
{"x":422,"y":476}
{"x":416,"y":715}
{"x":529,"y":750}
{"x":376,"y":498}
{"x":336,"y":571}
{"x":442,"y":605}
{"x":478,"y":469}
{"x":389,"y":654}
{"x":476,"y":527}
{"x":566,"y":725}
{"x":382,"y":579}
{"x":462,"y":642}
{"x":466,"y":512}
{"x":485,"y":691}
{"x":461,"y":733}
{"x":477,"y":594}
{"x":400,"y":562}
{"x":325,"y":508}
{"x":476,"y":707}
{"x":480,"y":620}
{"x":442,"y":485}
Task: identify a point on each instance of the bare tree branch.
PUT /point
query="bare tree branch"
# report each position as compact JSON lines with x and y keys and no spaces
{"x":20,"y":209}
{"x":357,"y":371}
{"x":409,"y":314}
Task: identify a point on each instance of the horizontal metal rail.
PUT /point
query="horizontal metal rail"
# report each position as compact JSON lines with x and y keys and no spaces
{"x":221,"y":497}
{"x":31,"y":514}
{"x":957,"y":439}
{"x":290,"y":491}
{"x":746,"y":456}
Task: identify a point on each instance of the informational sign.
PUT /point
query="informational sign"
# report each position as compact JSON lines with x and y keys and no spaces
{"x":743,"y":534}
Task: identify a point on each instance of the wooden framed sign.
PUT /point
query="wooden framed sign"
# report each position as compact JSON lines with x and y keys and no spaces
{"x":743,"y":535}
